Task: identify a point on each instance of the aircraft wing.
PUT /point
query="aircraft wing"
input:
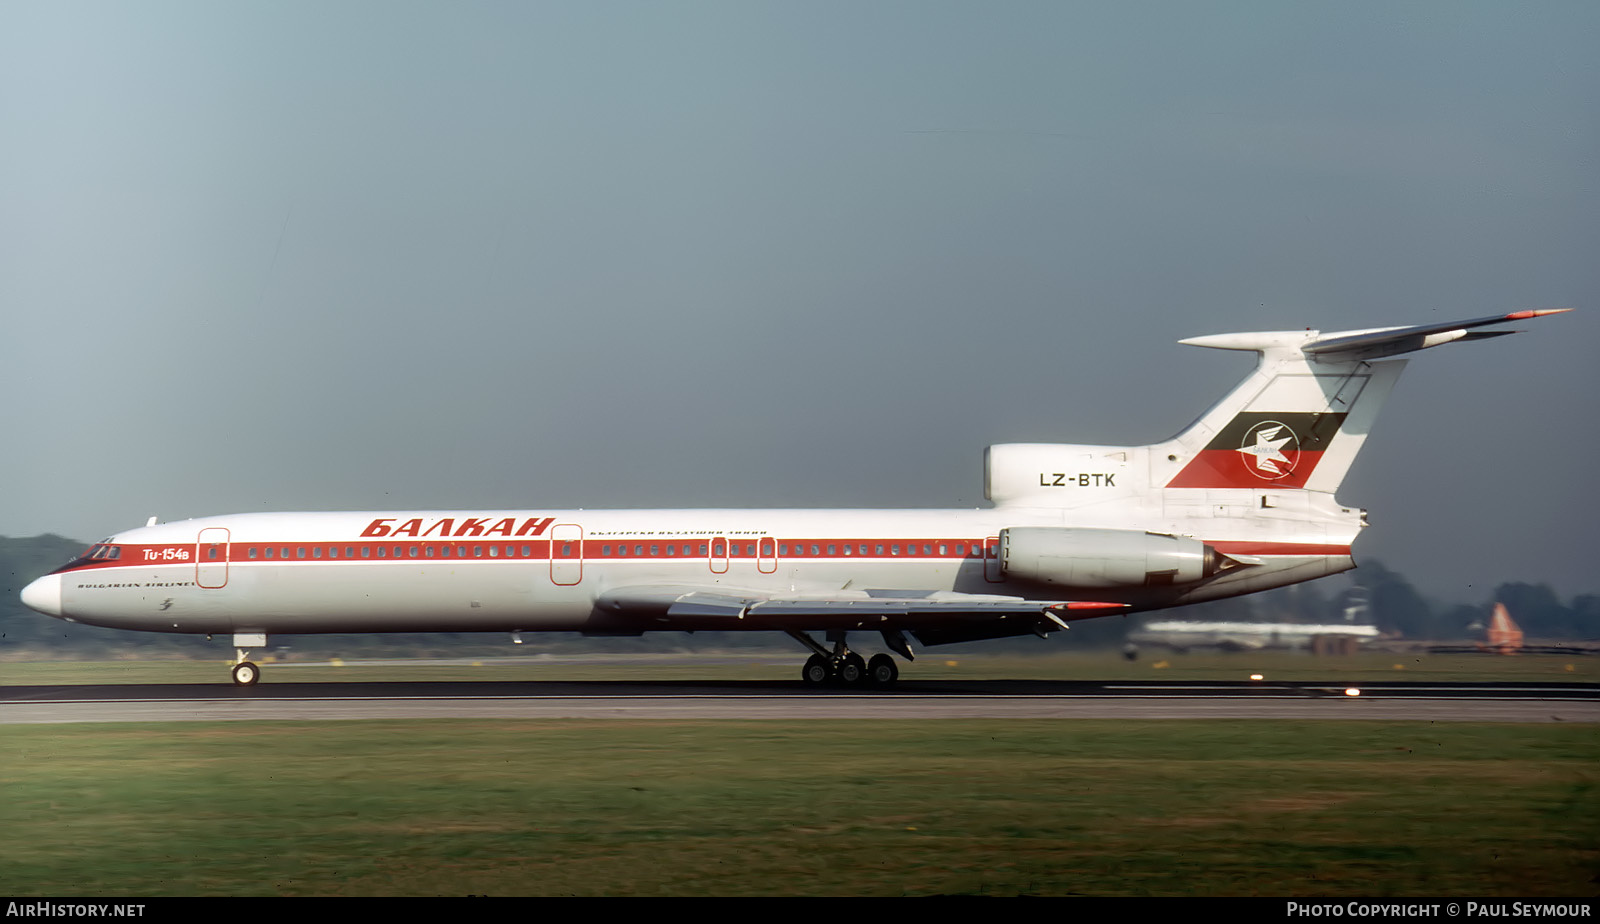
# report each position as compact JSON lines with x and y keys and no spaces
{"x":688,"y":607}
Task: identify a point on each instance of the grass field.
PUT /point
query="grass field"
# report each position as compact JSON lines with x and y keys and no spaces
{"x":843,"y":808}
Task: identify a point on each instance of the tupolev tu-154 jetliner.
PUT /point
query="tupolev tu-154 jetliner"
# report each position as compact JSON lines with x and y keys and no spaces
{"x":1242,"y":500}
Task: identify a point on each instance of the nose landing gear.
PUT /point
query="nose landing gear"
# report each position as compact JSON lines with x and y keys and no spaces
{"x":245,"y":673}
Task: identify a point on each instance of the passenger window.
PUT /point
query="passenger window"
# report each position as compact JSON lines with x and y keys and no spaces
{"x":428,"y":552}
{"x":366,"y":551}
{"x":672,"y":551}
{"x":831,"y":550}
{"x":477,"y":551}
{"x":252,"y":552}
{"x":300,"y":552}
{"x":316,"y":552}
{"x":383,"y":551}
{"x":494,"y":551}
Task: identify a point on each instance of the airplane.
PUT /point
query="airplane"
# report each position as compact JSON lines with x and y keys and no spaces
{"x":1184,"y":634}
{"x":1505,"y":636}
{"x":1241,"y":500}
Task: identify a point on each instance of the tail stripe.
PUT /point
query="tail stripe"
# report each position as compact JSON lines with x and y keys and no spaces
{"x":1262,"y":449}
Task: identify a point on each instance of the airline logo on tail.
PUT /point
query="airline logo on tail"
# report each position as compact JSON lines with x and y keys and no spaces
{"x":1257,"y":449}
{"x":1272,"y":449}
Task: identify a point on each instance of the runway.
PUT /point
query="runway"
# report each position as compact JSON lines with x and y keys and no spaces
{"x":755,"y":700}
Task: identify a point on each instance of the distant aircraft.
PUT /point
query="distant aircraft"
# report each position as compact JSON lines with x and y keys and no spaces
{"x":1183,"y":634}
{"x":1505,"y":637}
{"x":1240,"y":501}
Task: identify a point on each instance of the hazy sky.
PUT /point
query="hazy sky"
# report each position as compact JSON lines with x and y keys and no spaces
{"x":284,"y":256}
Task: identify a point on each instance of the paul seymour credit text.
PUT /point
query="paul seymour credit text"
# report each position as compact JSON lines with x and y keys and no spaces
{"x":1358,"y":909}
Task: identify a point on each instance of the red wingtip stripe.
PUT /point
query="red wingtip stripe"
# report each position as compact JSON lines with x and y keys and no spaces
{"x":1535,"y":313}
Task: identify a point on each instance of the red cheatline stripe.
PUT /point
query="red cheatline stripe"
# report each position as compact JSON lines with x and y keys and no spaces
{"x":1279,"y":548}
{"x":600,"y":549}
{"x":139,"y":556}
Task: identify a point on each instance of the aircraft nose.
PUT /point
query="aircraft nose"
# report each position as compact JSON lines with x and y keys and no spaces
{"x":44,"y":595}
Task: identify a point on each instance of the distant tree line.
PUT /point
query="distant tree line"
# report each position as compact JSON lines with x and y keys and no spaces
{"x":1379,"y":596}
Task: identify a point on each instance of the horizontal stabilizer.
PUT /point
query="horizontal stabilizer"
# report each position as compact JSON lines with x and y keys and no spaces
{"x":1392,"y":341}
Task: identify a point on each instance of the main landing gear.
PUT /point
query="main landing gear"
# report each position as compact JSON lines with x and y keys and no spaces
{"x":843,"y":667}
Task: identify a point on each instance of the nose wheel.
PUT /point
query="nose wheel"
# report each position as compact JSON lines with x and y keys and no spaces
{"x":245,"y":674}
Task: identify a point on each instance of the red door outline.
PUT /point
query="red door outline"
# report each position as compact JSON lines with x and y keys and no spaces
{"x":566,"y":554}
{"x":991,"y":561}
{"x":211,"y":557}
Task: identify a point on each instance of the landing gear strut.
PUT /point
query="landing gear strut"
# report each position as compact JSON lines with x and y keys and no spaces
{"x":843,"y":666}
{"x":245,"y":673}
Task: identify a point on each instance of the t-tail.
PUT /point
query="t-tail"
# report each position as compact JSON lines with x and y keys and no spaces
{"x":1301,"y":417}
{"x":1241,"y":500}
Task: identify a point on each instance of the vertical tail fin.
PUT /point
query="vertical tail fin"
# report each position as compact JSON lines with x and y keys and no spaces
{"x":1505,"y":637}
{"x":1299,"y":420}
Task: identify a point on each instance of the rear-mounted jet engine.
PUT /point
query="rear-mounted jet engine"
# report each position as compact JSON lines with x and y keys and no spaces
{"x":1107,"y":558}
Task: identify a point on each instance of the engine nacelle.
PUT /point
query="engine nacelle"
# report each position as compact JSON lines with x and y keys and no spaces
{"x":1104,"y":558}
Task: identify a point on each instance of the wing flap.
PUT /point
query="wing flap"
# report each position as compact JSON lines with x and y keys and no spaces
{"x":673,"y":607}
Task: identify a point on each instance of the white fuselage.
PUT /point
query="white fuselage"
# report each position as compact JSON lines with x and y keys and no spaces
{"x":546,"y":570}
